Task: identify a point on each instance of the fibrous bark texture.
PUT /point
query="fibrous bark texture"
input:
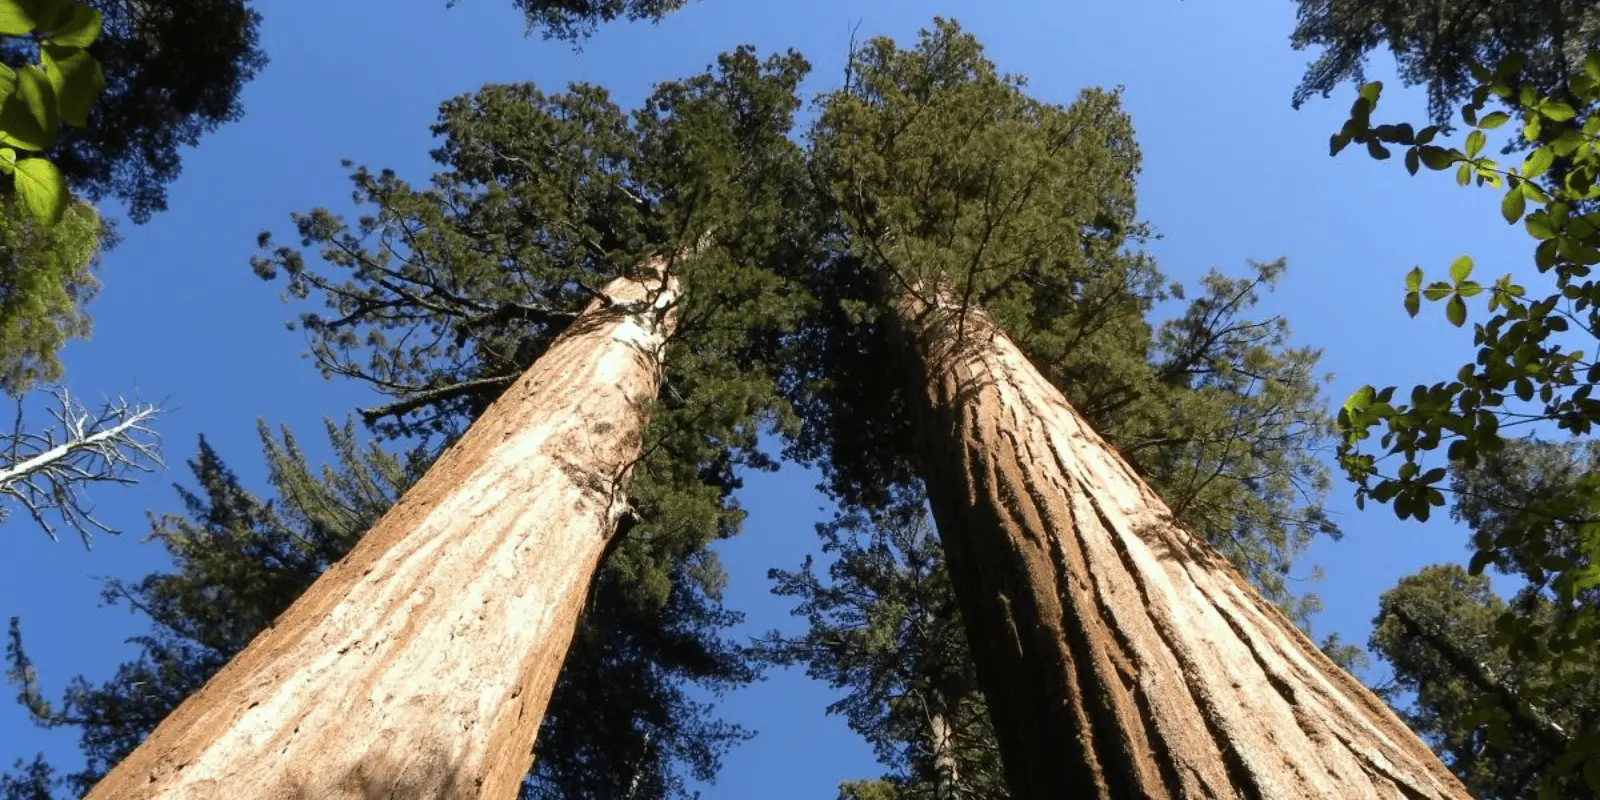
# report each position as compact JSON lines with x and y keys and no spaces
{"x":419,"y":666}
{"x":1121,"y":657}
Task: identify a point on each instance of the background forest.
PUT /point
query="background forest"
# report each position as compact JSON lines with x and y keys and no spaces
{"x":1257,"y":283}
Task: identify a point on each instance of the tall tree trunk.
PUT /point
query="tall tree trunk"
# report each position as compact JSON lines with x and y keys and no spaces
{"x":942,"y":741}
{"x":1121,"y":657}
{"x":419,"y":665}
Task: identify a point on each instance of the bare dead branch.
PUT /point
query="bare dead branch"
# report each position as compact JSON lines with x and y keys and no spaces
{"x":45,"y":471}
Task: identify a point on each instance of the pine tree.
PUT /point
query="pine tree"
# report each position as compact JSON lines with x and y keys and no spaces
{"x":1120,"y":655}
{"x":414,"y":665}
{"x":1437,"y":629}
{"x":884,"y":627}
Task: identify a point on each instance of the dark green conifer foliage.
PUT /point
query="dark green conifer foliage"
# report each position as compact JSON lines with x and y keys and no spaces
{"x":1433,"y":41}
{"x":575,"y":20}
{"x":1437,"y":628}
{"x":937,"y":163}
{"x":46,"y":282}
{"x":438,"y":296}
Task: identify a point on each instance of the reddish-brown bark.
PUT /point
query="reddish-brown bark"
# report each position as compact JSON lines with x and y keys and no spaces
{"x":1120,"y":656}
{"x":421,"y":663}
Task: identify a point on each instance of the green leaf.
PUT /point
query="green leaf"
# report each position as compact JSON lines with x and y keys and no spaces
{"x":1544,"y":256}
{"x":1438,"y":291}
{"x":42,"y":188}
{"x":28,"y":118}
{"x":1460,"y":268}
{"x":1510,"y":65}
{"x":1377,"y":150}
{"x":1513,"y":204}
{"x":1531,"y":130}
{"x":1413,"y":163}
{"x":1464,"y":174}
{"x":1479,"y":560}
{"x":1414,"y":279}
{"x":1360,"y":399}
{"x":1558,"y":111}
{"x":1456,"y":311}
{"x":1413,"y":303}
{"x":1370,"y":92}
{"x":1537,"y":162}
{"x":1524,"y":389}
{"x":1469,"y":289}
{"x":71,"y":24}
{"x":8,"y":161}
{"x":1435,"y":158}
{"x":18,"y":17}
{"x":1337,"y":142}
{"x":1494,"y":120}
{"x":77,"y":80}
{"x":1475,"y":141}
{"x":1591,"y":65}
{"x":1538,"y":226}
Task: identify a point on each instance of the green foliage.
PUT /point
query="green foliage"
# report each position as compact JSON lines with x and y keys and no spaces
{"x":172,"y":72}
{"x":1531,"y":369}
{"x":1433,"y":41}
{"x":939,"y":168}
{"x":46,"y":279}
{"x":619,"y":718}
{"x":576,"y":20}
{"x":35,"y":100}
{"x":1499,"y":721}
{"x":936,"y":167}
{"x":439,"y":296}
{"x":884,"y":628}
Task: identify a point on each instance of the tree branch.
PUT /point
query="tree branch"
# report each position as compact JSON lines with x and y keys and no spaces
{"x":1530,"y":717}
{"x":414,"y":401}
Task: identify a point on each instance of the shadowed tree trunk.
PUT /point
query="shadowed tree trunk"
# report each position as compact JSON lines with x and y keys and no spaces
{"x":420,"y":664}
{"x":1121,"y":657}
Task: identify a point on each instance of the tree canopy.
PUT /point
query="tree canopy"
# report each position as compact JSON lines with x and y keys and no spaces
{"x":1437,"y":629}
{"x":173,"y":73}
{"x":575,"y":20}
{"x":1433,"y":41}
{"x":941,"y":166}
{"x":438,"y":296}
{"x":1532,"y":370}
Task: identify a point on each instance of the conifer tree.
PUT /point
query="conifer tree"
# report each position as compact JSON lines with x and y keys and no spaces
{"x":1121,"y":656}
{"x":502,"y":250}
{"x":1437,"y":630}
{"x":239,"y":561}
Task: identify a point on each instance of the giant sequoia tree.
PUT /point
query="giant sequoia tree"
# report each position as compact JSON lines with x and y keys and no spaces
{"x":544,"y":198}
{"x":619,"y":719}
{"x":1241,"y":416}
{"x":1121,"y":655}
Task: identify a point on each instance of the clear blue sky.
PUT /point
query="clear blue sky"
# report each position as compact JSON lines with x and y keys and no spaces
{"x":1231,"y":173}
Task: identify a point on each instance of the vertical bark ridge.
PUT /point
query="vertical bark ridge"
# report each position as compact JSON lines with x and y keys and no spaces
{"x":1122,"y":657}
{"x":420,"y":665}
